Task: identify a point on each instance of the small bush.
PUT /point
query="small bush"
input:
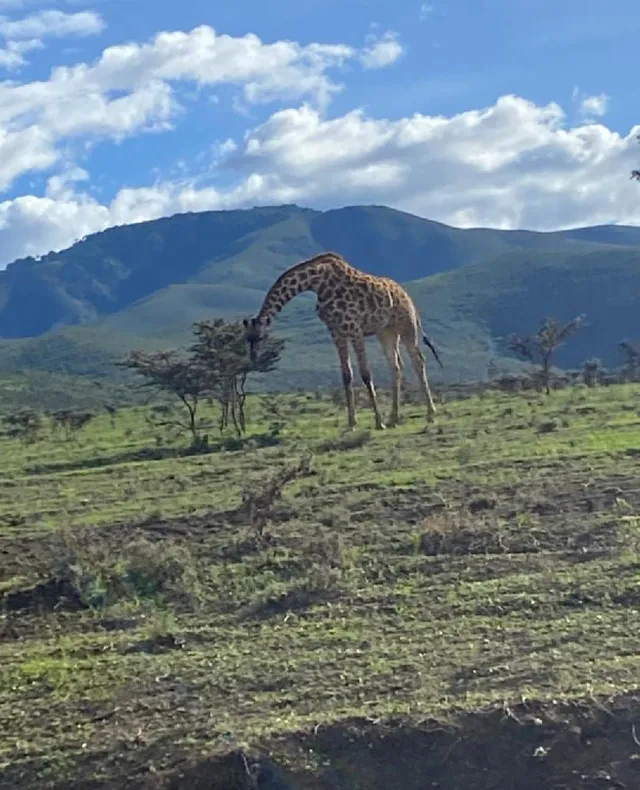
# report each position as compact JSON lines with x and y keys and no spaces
{"x":465,"y":453}
{"x":548,"y":426}
{"x":145,"y":571}
{"x":349,"y":441}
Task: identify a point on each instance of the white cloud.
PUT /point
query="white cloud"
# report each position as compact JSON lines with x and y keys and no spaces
{"x":52,"y":23}
{"x":12,"y":54}
{"x":30,"y":149}
{"x":426,"y":10}
{"x":514,"y":164}
{"x":32,"y":225}
{"x":382,"y":51}
{"x":25,"y":35}
{"x":590,"y":107}
{"x":130,"y":88}
{"x":594,"y":106}
{"x":282,"y":70}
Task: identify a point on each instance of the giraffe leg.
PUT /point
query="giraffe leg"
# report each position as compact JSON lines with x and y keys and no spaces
{"x":389,"y":342}
{"x":361,"y":354}
{"x":347,"y":380}
{"x":418,"y":362}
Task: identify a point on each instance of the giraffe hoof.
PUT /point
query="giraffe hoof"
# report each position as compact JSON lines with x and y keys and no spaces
{"x":380,"y":426}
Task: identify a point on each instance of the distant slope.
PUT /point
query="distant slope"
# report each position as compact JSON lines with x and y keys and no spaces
{"x":123,"y":267}
{"x":110,"y":271}
{"x":75,"y":312}
{"x":511,"y":294}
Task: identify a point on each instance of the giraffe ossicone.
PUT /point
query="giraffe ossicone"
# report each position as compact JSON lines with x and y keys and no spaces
{"x":354,"y":305}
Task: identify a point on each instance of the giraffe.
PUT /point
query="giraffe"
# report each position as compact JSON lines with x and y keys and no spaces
{"x":354,"y":305}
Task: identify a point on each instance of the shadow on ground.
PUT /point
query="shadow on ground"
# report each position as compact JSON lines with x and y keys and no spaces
{"x":588,"y":745}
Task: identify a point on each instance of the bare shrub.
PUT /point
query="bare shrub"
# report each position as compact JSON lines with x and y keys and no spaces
{"x":25,"y":425}
{"x":349,"y":441}
{"x":259,"y":497}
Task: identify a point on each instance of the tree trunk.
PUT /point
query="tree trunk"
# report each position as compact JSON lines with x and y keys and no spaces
{"x":193,"y":427}
{"x":546,"y":364}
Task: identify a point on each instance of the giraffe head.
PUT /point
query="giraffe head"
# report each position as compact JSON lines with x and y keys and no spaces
{"x":254,"y":332}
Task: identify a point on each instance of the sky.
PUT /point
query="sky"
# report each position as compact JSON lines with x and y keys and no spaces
{"x":494,"y":113}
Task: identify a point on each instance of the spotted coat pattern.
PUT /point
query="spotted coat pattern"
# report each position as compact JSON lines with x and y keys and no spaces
{"x":354,"y":305}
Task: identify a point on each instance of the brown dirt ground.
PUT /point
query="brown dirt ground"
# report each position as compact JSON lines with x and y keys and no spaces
{"x":586,"y":745}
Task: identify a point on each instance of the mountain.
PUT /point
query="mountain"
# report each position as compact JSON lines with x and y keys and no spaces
{"x":74,"y":312}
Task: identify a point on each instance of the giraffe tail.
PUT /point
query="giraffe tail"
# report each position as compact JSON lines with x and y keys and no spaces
{"x":433,"y":351}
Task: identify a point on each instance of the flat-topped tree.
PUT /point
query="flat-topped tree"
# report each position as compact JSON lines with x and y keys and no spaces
{"x":540,"y":347}
{"x":353,"y":305}
{"x":630,"y":350}
{"x":221,"y":351}
{"x":214,"y":368}
{"x":174,"y":373}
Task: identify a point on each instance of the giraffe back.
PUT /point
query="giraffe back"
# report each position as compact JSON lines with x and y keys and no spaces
{"x":351,"y":302}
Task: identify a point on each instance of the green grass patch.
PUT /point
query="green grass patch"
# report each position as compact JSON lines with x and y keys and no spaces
{"x":492,"y":555}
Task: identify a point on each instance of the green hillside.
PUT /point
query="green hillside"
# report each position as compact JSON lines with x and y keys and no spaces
{"x":511,"y":294}
{"x":75,"y":312}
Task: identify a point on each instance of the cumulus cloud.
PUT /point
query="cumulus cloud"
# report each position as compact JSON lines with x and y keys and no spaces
{"x":513,"y":164}
{"x":381,"y":51}
{"x":283,"y":70}
{"x":31,"y":225}
{"x":130,"y":87}
{"x":52,"y":23}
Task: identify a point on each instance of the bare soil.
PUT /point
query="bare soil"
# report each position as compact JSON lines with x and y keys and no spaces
{"x":586,"y":745}
{"x":590,"y":744}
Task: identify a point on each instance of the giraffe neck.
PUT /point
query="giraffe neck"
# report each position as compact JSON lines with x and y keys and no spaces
{"x":306,"y":276}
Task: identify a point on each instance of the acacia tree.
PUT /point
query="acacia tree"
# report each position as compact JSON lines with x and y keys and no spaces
{"x":630,"y":350}
{"x":174,"y":373}
{"x":71,"y":422}
{"x":220,"y":349}
{"x":24,"y":425}
{"x":214,"y":368}
{"x":540,"y":347}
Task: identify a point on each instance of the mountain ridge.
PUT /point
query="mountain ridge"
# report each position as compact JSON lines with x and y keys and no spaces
{"x":143,"y":285}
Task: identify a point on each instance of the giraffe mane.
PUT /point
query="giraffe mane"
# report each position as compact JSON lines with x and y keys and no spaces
{"x":307,"y":262}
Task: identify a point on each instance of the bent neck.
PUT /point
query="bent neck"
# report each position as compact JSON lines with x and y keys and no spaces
{"x":306,"y":276}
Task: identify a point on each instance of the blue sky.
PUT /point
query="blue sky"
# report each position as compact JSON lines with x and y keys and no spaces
{"x":507,"y":114}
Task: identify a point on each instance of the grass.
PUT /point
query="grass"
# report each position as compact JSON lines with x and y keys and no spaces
{"x":492,"y":556}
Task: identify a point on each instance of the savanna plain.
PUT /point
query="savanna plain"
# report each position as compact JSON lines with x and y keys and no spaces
{"x":452,"y":605}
